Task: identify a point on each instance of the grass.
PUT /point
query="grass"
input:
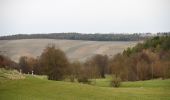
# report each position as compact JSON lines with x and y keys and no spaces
{"x":39,"y":88}
{"x":147,"y":83}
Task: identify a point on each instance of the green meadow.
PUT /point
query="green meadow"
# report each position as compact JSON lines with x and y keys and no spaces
{"x":39,"y":88}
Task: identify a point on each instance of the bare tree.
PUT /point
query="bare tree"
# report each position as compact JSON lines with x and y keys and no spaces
{"x":54,"y":63}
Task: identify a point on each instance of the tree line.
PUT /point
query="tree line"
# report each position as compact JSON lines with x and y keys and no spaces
{"x":79,"y":36}
{"x":91,"y":37}
{"x":147,"y":60}
{"x":54,"y":63}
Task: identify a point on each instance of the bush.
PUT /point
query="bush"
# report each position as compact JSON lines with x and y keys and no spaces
{"x":72,"y":78}
{"x":83,"y":79}
{"x":115,"y":82}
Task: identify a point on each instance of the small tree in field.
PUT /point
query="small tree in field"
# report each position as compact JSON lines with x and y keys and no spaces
{"x":54,"y":63}
{"x":116,"y":81}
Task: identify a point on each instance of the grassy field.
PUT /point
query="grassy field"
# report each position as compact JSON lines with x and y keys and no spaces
{"x":74,"y":49}
{"x":39,"y":88}
{"x":142,"y":84}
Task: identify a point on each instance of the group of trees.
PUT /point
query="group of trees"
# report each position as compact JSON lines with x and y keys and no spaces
{"x":54,"y":63}
{"x":28,"y":64}
{"x":95,"y":67}
{"x":147,"y":60}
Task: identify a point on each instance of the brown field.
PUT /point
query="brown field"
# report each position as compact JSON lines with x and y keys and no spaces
{"x":74,"y":49}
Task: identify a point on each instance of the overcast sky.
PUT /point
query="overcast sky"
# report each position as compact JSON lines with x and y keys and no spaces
{"x":85,"y":16}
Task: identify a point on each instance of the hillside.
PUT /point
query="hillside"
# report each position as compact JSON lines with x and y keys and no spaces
{"x":74,"y":49}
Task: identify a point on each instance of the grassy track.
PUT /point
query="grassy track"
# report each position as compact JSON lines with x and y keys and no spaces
{"x":33,"y":88}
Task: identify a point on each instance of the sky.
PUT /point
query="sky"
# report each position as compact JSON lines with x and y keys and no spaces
{"x":84,"y":16}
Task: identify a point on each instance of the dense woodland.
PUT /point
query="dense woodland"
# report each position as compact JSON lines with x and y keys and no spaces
{"x":147,"y":60}
{"x":79,"y":36}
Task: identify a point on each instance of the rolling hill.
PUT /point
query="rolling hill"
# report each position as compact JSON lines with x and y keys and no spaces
{"x":74,"y":49}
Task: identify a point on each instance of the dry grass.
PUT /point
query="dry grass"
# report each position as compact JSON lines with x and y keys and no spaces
{"x":74,"y":49}
{"x":10,"y":74}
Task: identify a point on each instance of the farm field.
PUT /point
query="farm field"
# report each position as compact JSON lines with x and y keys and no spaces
{"x":39,"y":88}
{"x":74,"y":49}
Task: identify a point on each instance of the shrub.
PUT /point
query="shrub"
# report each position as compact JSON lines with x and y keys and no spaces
{"x":72,"y":78}
{"x":115,"y":82}
{"x":83,"y":79}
